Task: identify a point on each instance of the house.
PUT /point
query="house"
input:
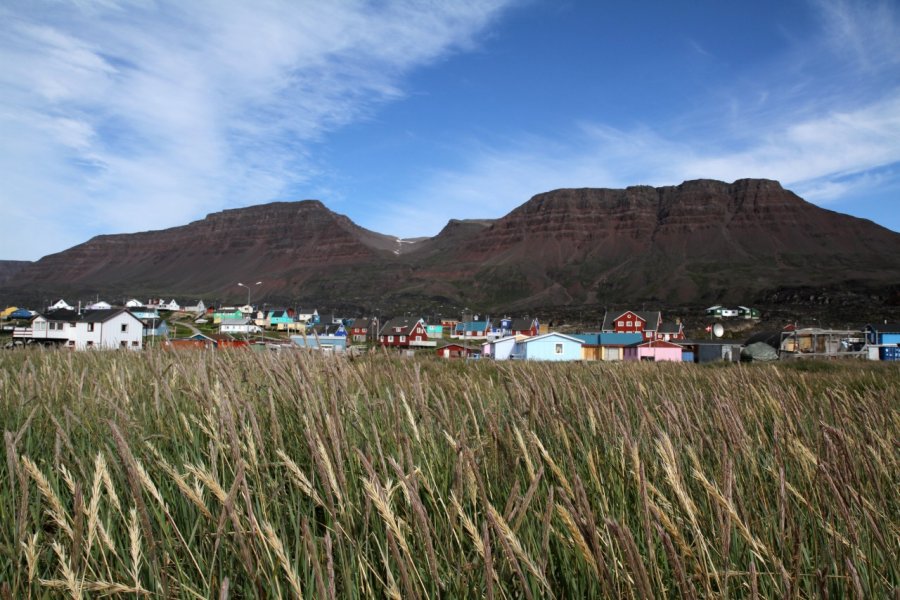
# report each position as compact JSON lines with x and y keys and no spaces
{"x":99,"y":305}
{"x":645,"y":323}
{"x":326,"y":343}
{"x":96,"y":329}
{"x":721,"y":312}
{"x":509,"y":326}
{"x":670,"y":331}
{"x":434,"y":331}
{"x":197,"y":309}
{"x":60,"y":305}
{"x":472,"y":330}
{"x":654,"y":350}
{"x":550,"y":346}
{"x":707,"y":351}
{"x":134,"y":303}
{"x":277,"y":319}
{"x":606,"y":346}
{"x":887,"y":334}
{"x":310,"y":318}
{"x":449,"y":325}
{"x":745,"y":312}
{"x":363,"y":330}
{"x":155,"y":328}
{"x":404,"y":332}
{"x":227,"y":312}
{"x":163,"y":305}
{"x":242,"y":325}
{"x":457,"y":351}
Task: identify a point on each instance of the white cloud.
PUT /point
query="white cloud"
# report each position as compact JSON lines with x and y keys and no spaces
{"x":137,"y":115}
{"x":828,"y":136}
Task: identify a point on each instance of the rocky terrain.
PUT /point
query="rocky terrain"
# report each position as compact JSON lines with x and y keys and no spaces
{"x":572,"y":250}
{"x":9,"y":269}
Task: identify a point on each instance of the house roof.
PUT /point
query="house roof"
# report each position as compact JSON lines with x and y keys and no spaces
{"x":361,"y":323}
{"x":103,"y":315}
{"x":670,"y":327}
{"x":404,"y":324}
{"x":474,"y":326}
{"x":521,"y":324}
{"x":244,"y":321}
{"x":885,"y":328}
{"x":528,"y":340}
{"x":650,"y":318}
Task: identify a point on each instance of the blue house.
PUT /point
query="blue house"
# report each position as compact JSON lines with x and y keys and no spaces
{"x":887,"y":334}
{"x":328,"y":343}
{"x":550,"y":346}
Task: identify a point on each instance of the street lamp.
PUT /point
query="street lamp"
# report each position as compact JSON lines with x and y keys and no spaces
{"x":248,"y":289}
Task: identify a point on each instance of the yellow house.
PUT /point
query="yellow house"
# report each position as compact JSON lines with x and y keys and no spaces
{"x":8,"y":311}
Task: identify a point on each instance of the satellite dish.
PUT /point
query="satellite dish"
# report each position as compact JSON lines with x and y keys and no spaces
{"x":718,"y":330}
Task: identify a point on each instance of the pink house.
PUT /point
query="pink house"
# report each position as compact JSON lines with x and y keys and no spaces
{"x":656,"y":350}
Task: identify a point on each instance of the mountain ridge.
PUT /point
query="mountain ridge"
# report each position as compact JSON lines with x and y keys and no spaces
{"x":699,"y":241}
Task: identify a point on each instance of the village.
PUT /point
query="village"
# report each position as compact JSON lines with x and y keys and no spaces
{"x":624,"y":335}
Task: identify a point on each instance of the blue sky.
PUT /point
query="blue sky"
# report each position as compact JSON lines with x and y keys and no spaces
{"x":129,"y":115}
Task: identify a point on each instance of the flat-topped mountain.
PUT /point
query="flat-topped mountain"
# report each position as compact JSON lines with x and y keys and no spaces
{"x":699,"y":242}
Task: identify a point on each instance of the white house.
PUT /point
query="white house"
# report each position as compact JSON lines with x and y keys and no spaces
{"x":134,"y":303}
{"x":99,"y":305}
{"x":238,"y":326}
{"x":60,"y":305}
{"x":170,"y":305}
{"x":96,"y":329}
{"x":198,"y":309}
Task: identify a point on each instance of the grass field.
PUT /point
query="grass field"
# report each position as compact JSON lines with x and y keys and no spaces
{"x":234,"y":474}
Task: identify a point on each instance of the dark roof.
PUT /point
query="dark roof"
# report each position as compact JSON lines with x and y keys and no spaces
{"x":362,"y":323}
{"x":405,"y":324}
{"x":88,"y":316}
{"x":670,"y":327}
{"x":521,"y":324}
{"x":886,"y":328}
{"x":61,"y":314}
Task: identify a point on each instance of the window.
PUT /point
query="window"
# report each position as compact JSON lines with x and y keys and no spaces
{"x":124,"y":327}
{"x":418,"y":338}
{"x":629,"y":323}
{"x":90,"y":344}
{"x":90,"y":327}
{"x":123,"y":344}
{"x":402,"y":338}
{"x":559,"y":348}
{"x":390,"y":339}
{"x":135,"y":343}
{"x":621,"y":323}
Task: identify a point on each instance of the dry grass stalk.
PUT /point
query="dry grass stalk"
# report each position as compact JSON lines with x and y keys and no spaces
{"x":31,"y":556}
{"x":560,"y":476}
{"x":56,"y":511}
{"x":504,"y":530}
{"x":72,"y":584}
{"x":576,"y":537}
{"x":134,"y":536}
{"x":274,"y":542}
{"x":299,"y":478}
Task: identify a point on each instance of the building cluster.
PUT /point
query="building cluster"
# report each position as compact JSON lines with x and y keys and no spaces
{"x":627,"y":335}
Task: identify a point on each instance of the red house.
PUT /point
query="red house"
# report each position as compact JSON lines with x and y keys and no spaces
{"x":363,"y":330}
{"x":456,"y":351}
{"x":648,"y":323}
{"x":404,"y":332}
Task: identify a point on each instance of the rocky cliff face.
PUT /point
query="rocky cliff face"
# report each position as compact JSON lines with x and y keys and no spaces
{"x":283,"y":243}
{"x":701,"y":241}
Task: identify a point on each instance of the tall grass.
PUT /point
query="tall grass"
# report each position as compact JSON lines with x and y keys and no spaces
{"x":204,"y":474}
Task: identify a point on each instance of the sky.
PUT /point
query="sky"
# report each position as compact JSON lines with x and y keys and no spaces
{"x":119,"y":116}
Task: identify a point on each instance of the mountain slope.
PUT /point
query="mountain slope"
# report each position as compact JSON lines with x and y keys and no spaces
{"x":701,"y":241}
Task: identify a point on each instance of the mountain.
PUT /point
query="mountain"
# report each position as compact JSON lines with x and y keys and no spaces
{"x":699,"y":242}
{"x":9,"y":269}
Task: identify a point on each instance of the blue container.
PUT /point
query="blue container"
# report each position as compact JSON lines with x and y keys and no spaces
{"x":890,"y":353}
{"x":687,"y":356}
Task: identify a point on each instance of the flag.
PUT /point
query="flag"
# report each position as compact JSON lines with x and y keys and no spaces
{"x":709,"y":329}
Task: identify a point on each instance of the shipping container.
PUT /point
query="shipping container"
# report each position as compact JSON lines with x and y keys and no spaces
{"x":890,"y":353}
{"x":687,"y":356}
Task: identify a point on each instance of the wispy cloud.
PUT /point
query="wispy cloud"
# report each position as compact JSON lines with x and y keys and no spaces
{"x":830,"y":134}
{"x":129,"y":115}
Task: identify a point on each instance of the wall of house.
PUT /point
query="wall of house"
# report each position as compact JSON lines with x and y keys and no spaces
{"x":612,"y":353}
{"x":546,"y":349}
{"x":109,"y":335}
{"x":660,"y":354}
{"x":502,"y":349}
